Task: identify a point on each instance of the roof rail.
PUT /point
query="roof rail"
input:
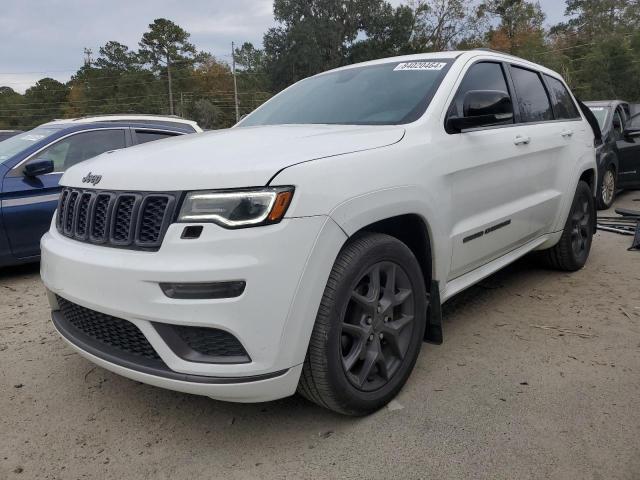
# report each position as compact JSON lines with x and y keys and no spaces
{"x":484,"y":49}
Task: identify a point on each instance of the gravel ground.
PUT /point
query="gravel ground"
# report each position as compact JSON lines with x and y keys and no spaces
{"x":502,"y":398}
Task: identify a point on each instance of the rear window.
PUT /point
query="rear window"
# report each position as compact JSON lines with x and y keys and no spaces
{"x":532,"y":97}
{"x":563,"y":105}
{"x":601,"y":115}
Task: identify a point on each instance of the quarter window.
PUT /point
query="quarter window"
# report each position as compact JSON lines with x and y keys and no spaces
{"x":563,"y":105}
{"x":532,"y":97}
{"x":481,"y":76}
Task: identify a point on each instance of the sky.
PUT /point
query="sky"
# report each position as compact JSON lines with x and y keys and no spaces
{"x":46,"y":38}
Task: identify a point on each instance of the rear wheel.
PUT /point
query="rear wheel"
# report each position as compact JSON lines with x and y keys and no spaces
{"x":369,"y":327}
{"x":607,"y":190}
{"x":571,"y":252}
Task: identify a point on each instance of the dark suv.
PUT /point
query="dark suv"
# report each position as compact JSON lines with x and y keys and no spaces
{"x":31,"y":164}
{"x":619,"y":153}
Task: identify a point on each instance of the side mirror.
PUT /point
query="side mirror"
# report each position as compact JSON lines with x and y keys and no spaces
{"x":38,"y":167}
{"x":483,"y":108}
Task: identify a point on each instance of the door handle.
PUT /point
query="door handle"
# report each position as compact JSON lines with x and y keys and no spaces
{"x":566,"y":133}
{"x":521,"y":140}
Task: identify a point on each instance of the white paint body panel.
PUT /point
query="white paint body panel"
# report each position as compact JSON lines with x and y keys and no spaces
{"x":345,"y":178}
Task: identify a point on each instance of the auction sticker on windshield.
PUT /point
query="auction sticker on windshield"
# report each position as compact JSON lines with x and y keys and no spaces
{"x":420,"y":66}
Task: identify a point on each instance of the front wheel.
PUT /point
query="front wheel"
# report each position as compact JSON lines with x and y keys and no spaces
{"x":571,"y":252}
{"x":369,"y":327}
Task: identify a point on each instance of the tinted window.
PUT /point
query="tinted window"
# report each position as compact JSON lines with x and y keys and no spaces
{"x":563,"y":105}
{"x":532,"y":97}
{"x":82,"y":146}
{"x":634,"y":122}
{"x":618,"y":125}
{"x":481,"y":76}
{"x":601,"y":115}
{"x":390,"y":93}
{"x":143,"y":136}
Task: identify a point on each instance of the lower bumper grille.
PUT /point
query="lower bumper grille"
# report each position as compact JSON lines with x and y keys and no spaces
{"x":111,"y":335}
{"x":116,"y":338}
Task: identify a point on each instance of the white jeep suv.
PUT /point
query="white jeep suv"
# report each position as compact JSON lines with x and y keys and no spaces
{"x":310,"y":247}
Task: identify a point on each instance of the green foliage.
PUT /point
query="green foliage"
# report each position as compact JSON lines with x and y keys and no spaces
{"x":597,"y":50}
{"x":166,"y":44}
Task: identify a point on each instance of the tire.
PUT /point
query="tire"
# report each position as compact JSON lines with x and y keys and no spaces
{"x":363,"y":348}
{"x":607,"y":189}
{"x":571,"y":252}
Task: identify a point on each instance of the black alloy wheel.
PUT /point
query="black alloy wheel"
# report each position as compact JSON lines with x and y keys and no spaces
{"x":377,"y":326}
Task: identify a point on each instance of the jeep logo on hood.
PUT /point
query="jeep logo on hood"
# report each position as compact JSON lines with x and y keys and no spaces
{"x":92,"y":179}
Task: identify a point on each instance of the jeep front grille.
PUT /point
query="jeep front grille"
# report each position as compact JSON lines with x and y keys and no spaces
{"x":134,"y":220}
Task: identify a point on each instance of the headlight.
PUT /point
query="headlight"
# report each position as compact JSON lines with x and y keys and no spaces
{"x":237,"y":208}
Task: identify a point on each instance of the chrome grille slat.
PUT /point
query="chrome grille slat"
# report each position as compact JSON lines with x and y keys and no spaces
{"x":134,"y":220}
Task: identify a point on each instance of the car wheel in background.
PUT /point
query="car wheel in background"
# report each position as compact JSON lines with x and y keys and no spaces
{"x":369,"y":327}
{"x":571,"y":252}
{"x":607,"y":190}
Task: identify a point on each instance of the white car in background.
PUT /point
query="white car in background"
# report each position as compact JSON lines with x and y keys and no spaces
{"x":160,"y":120}
{"x":310,"y":247}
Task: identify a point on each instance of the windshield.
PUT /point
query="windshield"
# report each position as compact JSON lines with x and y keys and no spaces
{"x":18,"y":143}
{"x":386,"y":94}
{"x":601,"y":115}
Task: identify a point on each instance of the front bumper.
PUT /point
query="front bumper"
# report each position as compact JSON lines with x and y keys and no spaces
{"x":285,"y":267}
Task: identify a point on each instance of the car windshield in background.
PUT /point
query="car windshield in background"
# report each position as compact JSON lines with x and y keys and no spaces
{"x":15,"y":145}
{"x":600,"y":114}
{"x":385,"y":94}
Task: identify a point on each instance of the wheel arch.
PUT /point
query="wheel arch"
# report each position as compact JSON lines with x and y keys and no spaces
{"x":590,"y":176}
{"x":412,"y":230}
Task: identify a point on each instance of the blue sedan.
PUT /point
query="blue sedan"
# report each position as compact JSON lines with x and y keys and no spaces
{"x":32,"y":163}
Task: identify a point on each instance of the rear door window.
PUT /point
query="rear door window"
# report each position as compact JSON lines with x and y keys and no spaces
{"x":144,"y":136}
{"x":563,"y":105}
{"x":533,"y":100}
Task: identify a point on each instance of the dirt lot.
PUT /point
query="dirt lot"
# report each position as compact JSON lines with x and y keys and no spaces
{"x":502,"y":398}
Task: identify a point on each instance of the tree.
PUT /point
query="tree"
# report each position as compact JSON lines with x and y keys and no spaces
{"x":115,"y":56}
{"x":44,"y":101}
{"x":388,"y":32}
{"x":10,"y":108}
{"x":249,"y":58}
{"x":520,"y":30}
{"x":313,"y":36}
{"x":593,"y":18}
{"x":440,"y":23}
{"x":164,"y":46}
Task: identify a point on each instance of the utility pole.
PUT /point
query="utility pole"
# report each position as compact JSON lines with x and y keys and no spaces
{"x":235,"y":82}
{"x":87,"y":57}
{"x":170,"y":90}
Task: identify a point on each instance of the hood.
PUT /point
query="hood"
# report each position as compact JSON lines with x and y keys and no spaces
{"x":233,"y":158}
